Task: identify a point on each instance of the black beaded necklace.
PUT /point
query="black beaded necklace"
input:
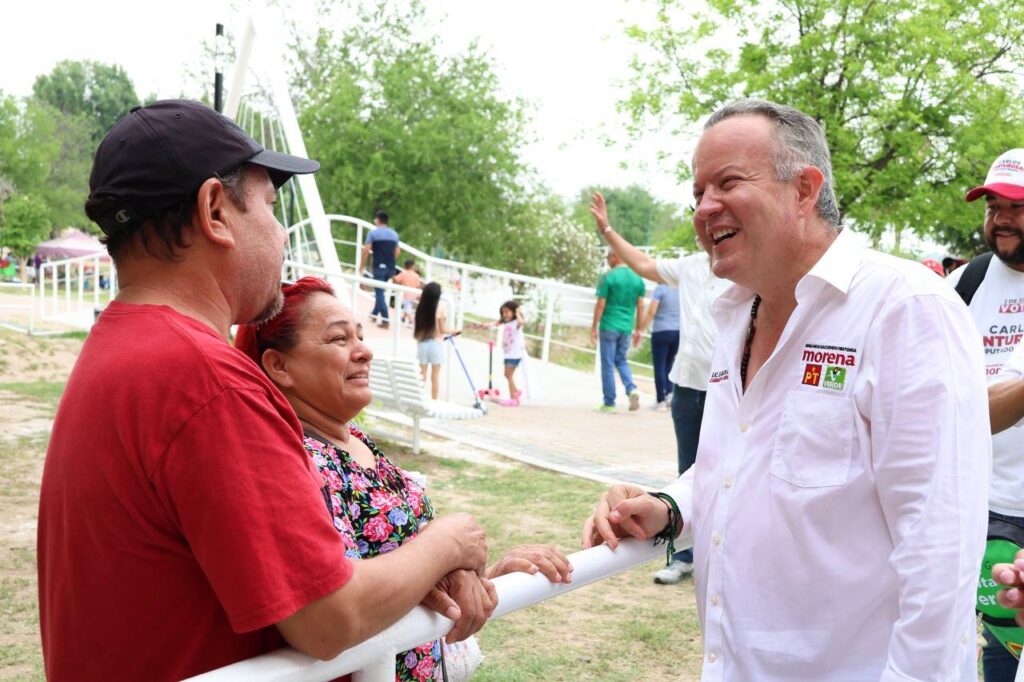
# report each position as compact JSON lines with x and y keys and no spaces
{"x":750,"y":341}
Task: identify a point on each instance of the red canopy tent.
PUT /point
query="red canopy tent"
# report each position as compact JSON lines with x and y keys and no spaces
{"x":70,"y":244}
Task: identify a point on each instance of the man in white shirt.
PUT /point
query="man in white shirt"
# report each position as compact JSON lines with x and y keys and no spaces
{"x":698,"y":288}
{"x":997,"y":306}
{"x":838,"y":500}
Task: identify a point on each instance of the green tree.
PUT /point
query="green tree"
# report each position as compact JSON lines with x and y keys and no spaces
{"x":25,"y":222}
{"x":916,"y":97}
{"x":635,"y":213}
{"x":399,"y":126}
{"x":547,"y":242}
{"x":100,"y":93}
{"x":48,"y":154}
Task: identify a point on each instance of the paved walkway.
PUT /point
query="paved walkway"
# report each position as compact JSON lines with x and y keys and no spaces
{"x":557,"y":427}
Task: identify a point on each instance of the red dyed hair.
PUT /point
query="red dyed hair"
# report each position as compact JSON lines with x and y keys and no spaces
{"x":282,"y":331}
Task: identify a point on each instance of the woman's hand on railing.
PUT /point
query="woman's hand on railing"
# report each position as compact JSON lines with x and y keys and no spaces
{"x":624,"y":511}
{"x":465,"y":537}
{"x":545,"y":559}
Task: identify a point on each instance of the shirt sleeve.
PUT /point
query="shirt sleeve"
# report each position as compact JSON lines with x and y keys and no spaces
{"x":602,"y":286}
{"x":659,"y":293}
{"x":249,"y":501}
{"x":931,"y":454}
{"x":681,"y":490}
{"x":670,"y":269}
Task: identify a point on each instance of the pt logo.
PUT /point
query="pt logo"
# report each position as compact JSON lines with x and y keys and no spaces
{"x":812,"y":375}
{"x":835,"y":378}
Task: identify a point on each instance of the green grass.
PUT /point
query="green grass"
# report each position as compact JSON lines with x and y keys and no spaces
{"x":623,"y":628}
{"x":40,"y":391}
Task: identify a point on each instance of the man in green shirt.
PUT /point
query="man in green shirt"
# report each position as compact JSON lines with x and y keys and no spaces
{"x":620,"y":304}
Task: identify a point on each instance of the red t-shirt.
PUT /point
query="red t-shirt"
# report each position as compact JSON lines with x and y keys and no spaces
{"x":180,"y":516}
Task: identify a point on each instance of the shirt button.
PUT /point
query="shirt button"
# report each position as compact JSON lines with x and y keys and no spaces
{"x":727,"y":483}
{"x":716,"y":538}
{"x":714,"y":600}
{"x":712,"y":658}
{"x":744,"y":427}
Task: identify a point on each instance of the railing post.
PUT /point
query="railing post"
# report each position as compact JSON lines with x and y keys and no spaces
{"x":359,"y":247}
{"x":549,"y":314}
{"x":396,"y":321}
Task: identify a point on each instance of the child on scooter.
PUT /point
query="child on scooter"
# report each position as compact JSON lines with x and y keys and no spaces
{"x":513,"y":344}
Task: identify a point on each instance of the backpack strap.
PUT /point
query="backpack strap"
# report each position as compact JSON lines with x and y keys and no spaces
{"x":974,"y":273}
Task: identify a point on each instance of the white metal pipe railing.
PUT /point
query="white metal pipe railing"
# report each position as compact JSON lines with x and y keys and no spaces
{"x":29,"y":307}
{"x":373,"y":660}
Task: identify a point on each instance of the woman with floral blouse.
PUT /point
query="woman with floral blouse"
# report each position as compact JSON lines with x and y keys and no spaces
{"x":313,"y":351}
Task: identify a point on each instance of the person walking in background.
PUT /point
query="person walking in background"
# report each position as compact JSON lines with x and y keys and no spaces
{"x":429,"y":330}
{"x":620,"y":305}
{"x":408,"y":277}
{"x":382,"y":243}
{"x":697,"y":288}
{"x":663,"y":311}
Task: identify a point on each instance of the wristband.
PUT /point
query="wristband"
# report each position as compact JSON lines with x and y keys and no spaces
{"x":668,"y":533}
{"x":607,"y":229}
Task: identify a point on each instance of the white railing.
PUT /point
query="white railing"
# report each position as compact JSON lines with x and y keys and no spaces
{"x":479,"y":290}
{"x":374,"y":659}
{"x":27,"y":306}
{"x":71,"y":290}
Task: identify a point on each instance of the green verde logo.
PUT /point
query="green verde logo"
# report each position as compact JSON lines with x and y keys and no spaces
{"x":835,"y":378}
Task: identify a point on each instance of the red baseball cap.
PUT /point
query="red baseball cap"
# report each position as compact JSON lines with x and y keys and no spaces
{"x":1005,"y":178}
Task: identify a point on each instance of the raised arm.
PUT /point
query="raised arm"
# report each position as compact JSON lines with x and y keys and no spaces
{"x":637,"y":260}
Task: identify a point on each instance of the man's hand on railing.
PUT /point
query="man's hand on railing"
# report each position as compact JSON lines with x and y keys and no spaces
{"x":546,"y":559}
{"x":624,"y":511}
{"x":465,"y":537}
{"x":475,"y":597}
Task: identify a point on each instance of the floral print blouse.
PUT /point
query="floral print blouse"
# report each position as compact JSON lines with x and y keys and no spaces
{"x":376,"y":510}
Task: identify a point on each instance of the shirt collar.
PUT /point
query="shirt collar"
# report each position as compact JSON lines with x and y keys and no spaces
{"x":836,"y":268}
{"x":838,"y":264}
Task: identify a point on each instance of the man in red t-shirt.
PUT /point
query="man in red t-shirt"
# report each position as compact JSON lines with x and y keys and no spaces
{"x":181,"y":525}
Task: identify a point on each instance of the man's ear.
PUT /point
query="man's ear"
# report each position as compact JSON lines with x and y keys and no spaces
{"x":808,"y":187}
{"x":214,"y":211}
{"x":275,"y":364}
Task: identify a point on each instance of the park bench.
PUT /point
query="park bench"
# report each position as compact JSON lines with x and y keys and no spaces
{"x":397,"y":385}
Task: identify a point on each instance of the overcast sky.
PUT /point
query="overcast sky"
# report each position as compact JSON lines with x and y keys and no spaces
{"x":567,"y":58}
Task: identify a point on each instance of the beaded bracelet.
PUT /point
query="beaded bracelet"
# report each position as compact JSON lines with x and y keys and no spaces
{"x":668,"y":533}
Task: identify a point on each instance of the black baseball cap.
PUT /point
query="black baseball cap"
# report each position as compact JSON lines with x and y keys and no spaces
{"x":160,"y":154}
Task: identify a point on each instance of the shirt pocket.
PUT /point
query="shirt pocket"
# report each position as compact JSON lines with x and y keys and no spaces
{"x":814,"y":443}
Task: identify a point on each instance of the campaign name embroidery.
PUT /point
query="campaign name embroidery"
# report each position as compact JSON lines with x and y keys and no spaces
{"x":719,"y":375}
{"x":830,"y":355}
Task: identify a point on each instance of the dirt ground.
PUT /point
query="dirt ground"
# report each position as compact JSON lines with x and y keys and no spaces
{"x":30,"y":367}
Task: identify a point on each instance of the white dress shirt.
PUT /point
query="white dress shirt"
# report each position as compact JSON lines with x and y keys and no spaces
{"x":839,"y":506}
{"x":698,"y":288}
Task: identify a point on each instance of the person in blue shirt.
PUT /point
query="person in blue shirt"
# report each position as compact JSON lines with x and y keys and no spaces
{"x":382,"y":242}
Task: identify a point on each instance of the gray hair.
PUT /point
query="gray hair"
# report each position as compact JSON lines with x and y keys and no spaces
{"x":799,"y":142}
